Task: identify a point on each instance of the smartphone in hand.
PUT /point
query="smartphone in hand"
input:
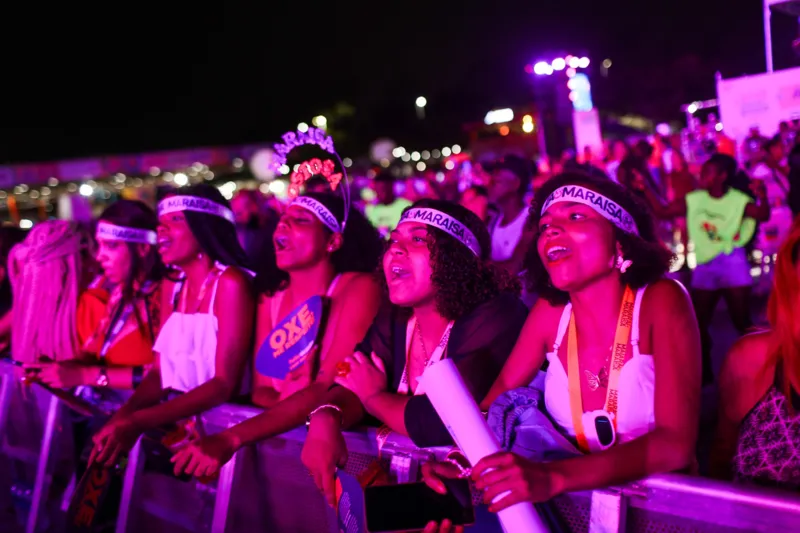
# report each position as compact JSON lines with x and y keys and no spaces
{"x":411,"y":506}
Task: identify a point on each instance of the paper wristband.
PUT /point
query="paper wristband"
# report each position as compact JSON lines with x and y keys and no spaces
{"x":112,"y":232}
{"x":320,"y":211}
{"x":444,"y":222}
{"x":174,"y":204}
{"x":604,"y":206}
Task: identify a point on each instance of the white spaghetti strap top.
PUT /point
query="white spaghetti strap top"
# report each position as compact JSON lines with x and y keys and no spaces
{"x":636,"y":410}
{"x":187,"y":344}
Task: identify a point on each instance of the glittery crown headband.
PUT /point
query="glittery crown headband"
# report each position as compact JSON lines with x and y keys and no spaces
{"x":313,"y":167}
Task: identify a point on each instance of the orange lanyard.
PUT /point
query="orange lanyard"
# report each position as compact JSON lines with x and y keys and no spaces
{"x":620,"y":348}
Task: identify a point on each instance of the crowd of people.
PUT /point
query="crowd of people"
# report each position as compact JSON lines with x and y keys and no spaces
{"x":569,"y":296}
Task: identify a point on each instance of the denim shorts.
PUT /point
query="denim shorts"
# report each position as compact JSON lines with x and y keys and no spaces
{"x":726,"y":271}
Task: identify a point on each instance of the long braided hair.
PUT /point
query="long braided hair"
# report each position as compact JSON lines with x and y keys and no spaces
{"x":46,"y":273}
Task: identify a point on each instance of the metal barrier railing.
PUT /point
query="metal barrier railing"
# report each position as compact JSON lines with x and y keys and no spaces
{"x":266,"y":487}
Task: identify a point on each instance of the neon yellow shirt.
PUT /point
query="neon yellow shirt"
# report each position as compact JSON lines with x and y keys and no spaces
{"x":717,"y":225}
{"x":386,"y":217}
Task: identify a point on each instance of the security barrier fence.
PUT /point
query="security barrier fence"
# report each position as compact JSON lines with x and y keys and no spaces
{"x":266,"y":488}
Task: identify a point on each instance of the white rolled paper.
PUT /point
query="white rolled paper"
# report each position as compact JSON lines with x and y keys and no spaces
{"x":461,"y":415}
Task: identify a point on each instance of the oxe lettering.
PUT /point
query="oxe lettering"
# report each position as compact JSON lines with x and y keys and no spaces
{"x":291,"y":331}
{"x":91,"y":497}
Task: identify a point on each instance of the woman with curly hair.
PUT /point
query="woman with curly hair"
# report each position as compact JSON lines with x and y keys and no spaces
{"x":622,"y":343}
{"x":447,"y":300}
{"x":316,"y":255}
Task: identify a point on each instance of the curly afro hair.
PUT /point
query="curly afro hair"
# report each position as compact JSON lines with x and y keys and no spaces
{"x":361,"y":251}
{"x":651,"y":258}
{"x":461,"y":280}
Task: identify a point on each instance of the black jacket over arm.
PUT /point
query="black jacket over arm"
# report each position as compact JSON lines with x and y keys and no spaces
{"x":479,"y":344}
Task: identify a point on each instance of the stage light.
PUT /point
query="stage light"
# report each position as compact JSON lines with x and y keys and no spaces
{"x":498,"y":116}
{"x":542,"y":69}
{"x":181,"y":179}
{"x":559,"y":63}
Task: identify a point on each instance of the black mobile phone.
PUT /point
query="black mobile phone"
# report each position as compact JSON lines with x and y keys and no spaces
{"x":411,"y":506}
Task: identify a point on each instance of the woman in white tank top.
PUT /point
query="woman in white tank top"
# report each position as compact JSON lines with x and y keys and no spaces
{"x":601,"y":331}
{"x":201,"y":350}
{"x":314,"y":257}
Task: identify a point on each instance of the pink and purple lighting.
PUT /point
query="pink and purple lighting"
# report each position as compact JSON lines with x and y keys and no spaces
{"x":570,"y":63}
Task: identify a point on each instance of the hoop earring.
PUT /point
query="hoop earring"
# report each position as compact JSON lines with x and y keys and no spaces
{"x":623,"y":264}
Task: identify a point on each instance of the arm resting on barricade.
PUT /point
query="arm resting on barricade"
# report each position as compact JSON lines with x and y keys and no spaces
{"x":147,"y":394}
{"x":234,"y":309}
{"x":670,"y":446}
{"x":293,"y":412}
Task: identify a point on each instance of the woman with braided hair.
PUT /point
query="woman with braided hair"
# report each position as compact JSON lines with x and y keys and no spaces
{"x":116,"y":329}
{"x":48,"y":272}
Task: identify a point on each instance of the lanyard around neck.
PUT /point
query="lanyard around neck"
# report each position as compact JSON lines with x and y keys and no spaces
{"x":436,"y":356}
{"x":619,"y":350}
{"x":121,"y":315}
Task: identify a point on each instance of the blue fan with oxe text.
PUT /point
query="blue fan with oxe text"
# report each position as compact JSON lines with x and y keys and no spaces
{"x":289,"y":343}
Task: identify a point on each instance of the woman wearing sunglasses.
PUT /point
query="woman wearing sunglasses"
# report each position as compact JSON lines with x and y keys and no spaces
{"x":622,"y":343}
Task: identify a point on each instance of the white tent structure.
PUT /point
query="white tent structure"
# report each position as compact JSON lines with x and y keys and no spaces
{"x":791,"y":7}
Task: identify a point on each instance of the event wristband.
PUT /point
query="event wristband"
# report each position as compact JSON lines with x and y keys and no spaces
{"x":322,"y":408}
{"x":137,"y":374}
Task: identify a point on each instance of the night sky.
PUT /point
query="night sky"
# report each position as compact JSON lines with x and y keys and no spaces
{"x":130,"y":77}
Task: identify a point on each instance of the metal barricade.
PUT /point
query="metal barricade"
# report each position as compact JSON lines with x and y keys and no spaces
{"x":259,"y":490}
{"x":266,"y":488}
{"x":37,"y":460}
